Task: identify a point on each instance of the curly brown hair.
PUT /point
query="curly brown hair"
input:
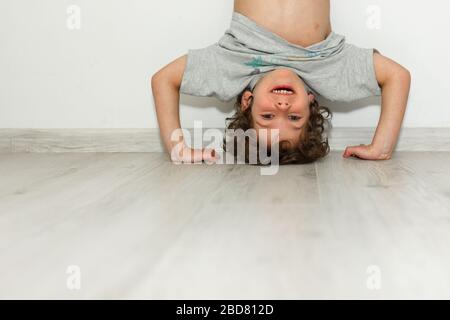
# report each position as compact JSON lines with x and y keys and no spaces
{"x":313,"y":144}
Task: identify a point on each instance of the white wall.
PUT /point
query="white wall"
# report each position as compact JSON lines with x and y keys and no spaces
{"x":97,"y":77}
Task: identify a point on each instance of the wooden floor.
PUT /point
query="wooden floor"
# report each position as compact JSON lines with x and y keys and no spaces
{"x":138,"y":226}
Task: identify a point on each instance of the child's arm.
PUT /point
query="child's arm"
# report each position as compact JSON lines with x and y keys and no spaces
{"x":395,"y":83}
{"x":165,"y":87}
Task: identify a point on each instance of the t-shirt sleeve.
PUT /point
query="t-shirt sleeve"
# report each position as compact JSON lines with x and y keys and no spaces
{"x":348,"y":76}
{"x":213,"y":72}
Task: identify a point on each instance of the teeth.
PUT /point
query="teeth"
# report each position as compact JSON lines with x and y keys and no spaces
{"x":282,"y":91}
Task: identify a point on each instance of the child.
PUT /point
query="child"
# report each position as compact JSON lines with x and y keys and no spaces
{"x":276,"y":57}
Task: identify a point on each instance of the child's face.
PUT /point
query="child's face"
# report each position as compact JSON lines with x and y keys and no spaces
{"x":288,"y":112}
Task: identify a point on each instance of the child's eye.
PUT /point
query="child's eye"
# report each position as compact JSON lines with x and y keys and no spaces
{"x":267,"y":116}
{"x":294,"y":118}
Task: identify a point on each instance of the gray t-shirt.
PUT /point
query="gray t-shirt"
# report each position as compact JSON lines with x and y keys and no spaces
{"x":333,"y":69}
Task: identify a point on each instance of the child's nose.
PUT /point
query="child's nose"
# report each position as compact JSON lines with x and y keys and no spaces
{"x":283,"y":105}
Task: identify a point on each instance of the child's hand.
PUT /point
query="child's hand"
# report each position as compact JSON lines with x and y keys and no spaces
{"x":366,"y":152}
{"x":189,"y":155}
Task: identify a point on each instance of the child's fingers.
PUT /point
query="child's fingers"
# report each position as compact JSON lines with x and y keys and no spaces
{"x":209,"y":155}
{"x":358,"y":151}
{"x":192,"y":155}
{"x":349,"y":151}
{"x":198,"y":155}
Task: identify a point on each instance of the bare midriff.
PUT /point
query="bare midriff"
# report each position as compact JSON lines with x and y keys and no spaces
{"x":302,"y":22}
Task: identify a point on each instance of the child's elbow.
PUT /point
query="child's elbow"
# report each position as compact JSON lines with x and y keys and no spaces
{"x":156,"y":79}
{"x":398,"y":76}
{"x":163,"y":79}
{"x":407,"y":75}
{"x":404,"y":75}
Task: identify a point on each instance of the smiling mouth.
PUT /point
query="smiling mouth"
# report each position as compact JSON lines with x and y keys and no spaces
{"x":283,"y":90}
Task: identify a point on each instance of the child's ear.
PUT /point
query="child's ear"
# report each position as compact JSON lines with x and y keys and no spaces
{"x":246,"y":100}
{"x":311,"y":97}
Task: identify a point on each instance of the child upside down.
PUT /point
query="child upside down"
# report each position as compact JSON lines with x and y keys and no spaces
{"x":276,"y":58}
